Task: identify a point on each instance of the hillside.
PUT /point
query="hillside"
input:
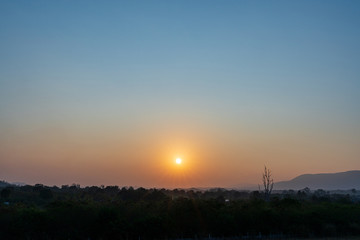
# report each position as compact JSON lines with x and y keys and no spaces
{"x":4,"y":184}
{"x":327,"y":181}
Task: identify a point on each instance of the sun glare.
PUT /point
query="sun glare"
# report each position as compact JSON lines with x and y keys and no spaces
{"x":178,"y":161}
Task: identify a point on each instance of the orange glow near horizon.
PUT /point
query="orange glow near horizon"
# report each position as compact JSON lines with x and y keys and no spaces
{"x":209,"y":158}
{"x":177,"y":165}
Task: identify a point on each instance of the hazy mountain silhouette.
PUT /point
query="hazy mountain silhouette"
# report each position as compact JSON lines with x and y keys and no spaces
{"x":19,"y":184}
{"x":327,"y":181}
{"x":4,"y":184}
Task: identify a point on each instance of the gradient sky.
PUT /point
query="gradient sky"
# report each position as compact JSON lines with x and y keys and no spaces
{"x":111,"y":92}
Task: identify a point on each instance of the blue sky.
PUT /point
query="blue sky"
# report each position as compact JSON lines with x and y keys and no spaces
{"x":266,"y":68}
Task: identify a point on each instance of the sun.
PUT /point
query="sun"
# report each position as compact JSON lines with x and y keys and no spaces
{"x":178,"y":161}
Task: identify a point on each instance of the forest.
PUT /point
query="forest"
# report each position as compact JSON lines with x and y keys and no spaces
{"x":110,"y":212}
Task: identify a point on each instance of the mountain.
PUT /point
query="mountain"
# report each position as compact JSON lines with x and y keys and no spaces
{"x":4,"y":184}
{"x":327,"y":181}
{"x":20,"y":184}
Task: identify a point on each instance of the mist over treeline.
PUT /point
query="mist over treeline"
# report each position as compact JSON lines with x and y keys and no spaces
{"x":110,"y":212}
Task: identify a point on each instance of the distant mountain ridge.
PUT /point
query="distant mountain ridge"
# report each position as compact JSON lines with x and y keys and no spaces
{"x":327,"y":181}
{"x":4,"y":184}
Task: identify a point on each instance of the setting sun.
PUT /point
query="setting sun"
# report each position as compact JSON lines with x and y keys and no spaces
{"x":178,"y":161}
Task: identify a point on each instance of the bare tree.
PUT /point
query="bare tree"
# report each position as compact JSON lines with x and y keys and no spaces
{"x":268,"y":183}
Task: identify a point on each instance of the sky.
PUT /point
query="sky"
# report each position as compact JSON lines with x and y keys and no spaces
{"x":112,"y":92}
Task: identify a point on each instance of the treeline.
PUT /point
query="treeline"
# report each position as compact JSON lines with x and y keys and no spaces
{"x":72,"y":212}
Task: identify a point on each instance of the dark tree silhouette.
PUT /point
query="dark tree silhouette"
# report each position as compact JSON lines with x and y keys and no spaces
{"x":5,"y":193}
